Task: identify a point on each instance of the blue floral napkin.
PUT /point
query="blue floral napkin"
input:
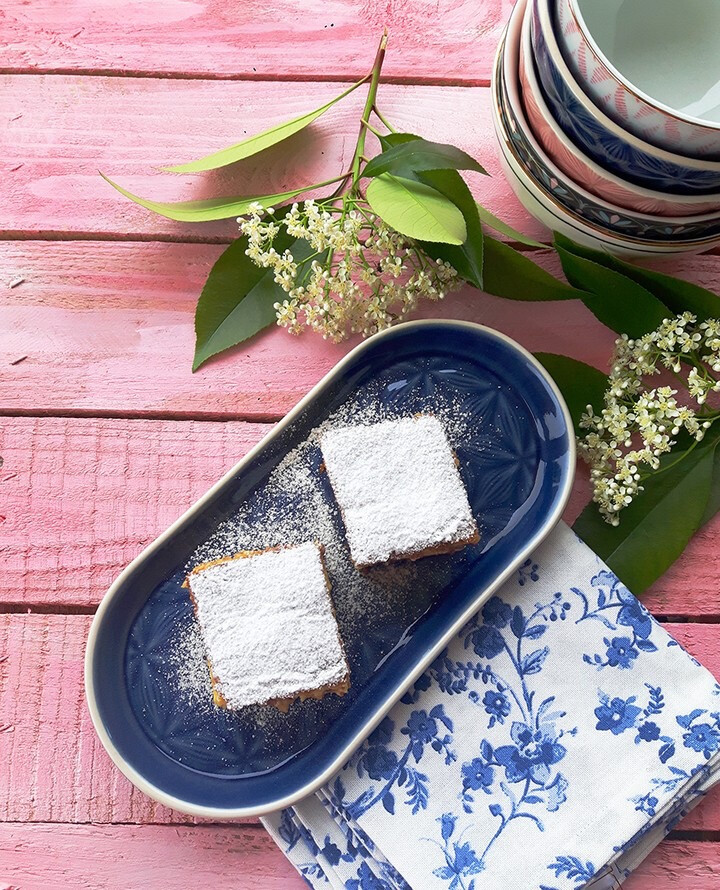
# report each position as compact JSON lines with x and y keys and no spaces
{"x":557,"y":740}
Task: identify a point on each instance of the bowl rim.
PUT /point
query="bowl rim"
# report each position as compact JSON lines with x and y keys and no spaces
{"x":287,"y":799}
{"x":567,"y":218}
{"x":513,"y":171}
{"x":576,"y":12}
{"x":527,"y":59}
{"x":511,"y":81}
{"x":504,"y":62}
{"x":546,"y":26}
{"x":578,"y":225}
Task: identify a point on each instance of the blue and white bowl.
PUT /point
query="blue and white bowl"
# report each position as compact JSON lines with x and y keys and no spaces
{"x":612,"y":49}
{"x":600,"y":137}
{"x":560,"y":202}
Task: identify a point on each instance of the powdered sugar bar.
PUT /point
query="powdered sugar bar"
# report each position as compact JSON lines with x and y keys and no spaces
{"x":269,"y":628}
{"x":399,"y":490}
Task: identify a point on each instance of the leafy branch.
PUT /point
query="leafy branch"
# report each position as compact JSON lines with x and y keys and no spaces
{"x":403,"y":226}
{"x":408,"y":204}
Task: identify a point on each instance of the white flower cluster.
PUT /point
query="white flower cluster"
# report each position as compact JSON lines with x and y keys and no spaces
{"x":624,"y":443}
{"x":349,"y":274}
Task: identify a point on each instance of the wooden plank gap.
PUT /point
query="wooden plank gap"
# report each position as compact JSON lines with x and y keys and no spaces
{"x":192,"y":414}
{"x":22,"y":608}
{"x":339,"y":77}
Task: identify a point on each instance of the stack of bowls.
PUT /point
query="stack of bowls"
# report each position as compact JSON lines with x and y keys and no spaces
{"x":608,"y":117}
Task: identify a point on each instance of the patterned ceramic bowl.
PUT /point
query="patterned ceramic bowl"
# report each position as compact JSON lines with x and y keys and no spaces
{"x":583,"y":169}
{"x":608,"y":44}
{"x":609,"y":219}
{"x":600,"y":137}
{"x":560,"y":203}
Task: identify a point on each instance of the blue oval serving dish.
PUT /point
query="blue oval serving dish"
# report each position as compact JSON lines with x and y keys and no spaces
{"x":517,"y":459}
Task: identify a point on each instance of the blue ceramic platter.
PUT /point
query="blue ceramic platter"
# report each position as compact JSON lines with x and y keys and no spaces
{"x":517,"y":459}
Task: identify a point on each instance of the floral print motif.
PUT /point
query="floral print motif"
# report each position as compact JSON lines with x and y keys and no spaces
{"x":290,"y":833}
{"x":533,"y":748}
{"x":573,"y":869}
{"x":367,"y":880}
{"x":423,"y":729}
{"x":459,"y":801}
{"x":702,"y":735}
{"x":528,"y":571}
{"x":461,"y":861}
{"x":616,"y":608}
{"x":616,"y":715}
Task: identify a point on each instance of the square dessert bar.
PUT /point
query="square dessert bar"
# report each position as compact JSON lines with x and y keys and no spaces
{"x":269,"y":627}
{"x":399,"y":490}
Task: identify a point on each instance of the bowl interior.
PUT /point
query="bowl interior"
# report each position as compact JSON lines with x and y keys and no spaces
{"x":666,"y":48}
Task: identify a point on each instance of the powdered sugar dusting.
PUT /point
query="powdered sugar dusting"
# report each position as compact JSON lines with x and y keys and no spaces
{"x":398,"y":488}
{"x":295,"y":505}
{"x":188,"y":667}
{"x":268,"y":625}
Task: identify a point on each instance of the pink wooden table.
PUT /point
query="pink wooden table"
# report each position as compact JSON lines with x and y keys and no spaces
{"x":107,"y":437}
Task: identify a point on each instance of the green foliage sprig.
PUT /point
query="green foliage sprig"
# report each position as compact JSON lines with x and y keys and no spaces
{"x":403,"y":225}
{"x":389,"y":230}
{"x":681,"y":491}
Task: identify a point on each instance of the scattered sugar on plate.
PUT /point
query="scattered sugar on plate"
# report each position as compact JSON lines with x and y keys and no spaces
{"x":187,"y":667}
{"x":295,"y":505}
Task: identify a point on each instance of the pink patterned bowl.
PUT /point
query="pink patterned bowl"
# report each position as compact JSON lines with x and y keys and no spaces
{"x":653,"y":66}
{"x":582,"y":169}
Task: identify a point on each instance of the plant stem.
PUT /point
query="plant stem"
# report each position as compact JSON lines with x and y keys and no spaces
{"x":382,"y":119}
{"x":369,"y":103}
{"x":369,"y":126}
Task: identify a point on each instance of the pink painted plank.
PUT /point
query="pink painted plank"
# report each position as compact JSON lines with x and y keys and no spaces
{"x":116,"y":334}
{"x":118,"y":857}
{"x":115,"y":857}
{"x":55,"y":768}
{"x":678,"y":864}
{"x":111,"y":324}
{"x":448,"y":40}
{"x":43,"y":720}
{"x":58,"y":131}
{"x":81,"y":498}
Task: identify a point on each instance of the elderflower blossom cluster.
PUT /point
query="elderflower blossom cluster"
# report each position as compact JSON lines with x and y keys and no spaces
{"x":625,"y":441}
{"x":349,"y":274}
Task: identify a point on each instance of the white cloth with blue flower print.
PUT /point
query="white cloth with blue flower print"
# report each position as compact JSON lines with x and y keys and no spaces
{"x":557,"y":740}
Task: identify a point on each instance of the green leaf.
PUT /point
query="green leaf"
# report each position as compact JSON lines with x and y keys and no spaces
{"x":260,"y":142}
{"x":416,"y":210}
{"x":655,"y":529}
{"x":387,"y":140}
{"x":511,"y":274}
{"x":618,"y":302}
{"x":416,"y":155}
{"x":467,"y":259}
{"x":211,"y":208}
{"x":713,"y":503}
{"x":391,"y":140}
{"x":580,"y":384}
{"x":675,"y":293}
{"x":504,"y":229}
{"x":238,"y":298}
{"x":236,"y":302}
